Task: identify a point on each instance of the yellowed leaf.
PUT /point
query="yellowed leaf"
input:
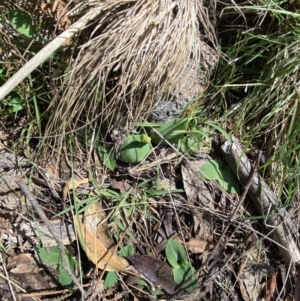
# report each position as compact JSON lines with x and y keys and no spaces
{"x":97,"y":252}
{"x":95,"y":220}
{"x":72,"y":184}
{"x":96,"y":241}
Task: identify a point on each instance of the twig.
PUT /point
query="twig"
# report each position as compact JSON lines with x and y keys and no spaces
{"x":44,"y":218}
{"x":8,"y":281}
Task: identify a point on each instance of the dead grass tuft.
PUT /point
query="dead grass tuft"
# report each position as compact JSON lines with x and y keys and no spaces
{"x":136,"y":53}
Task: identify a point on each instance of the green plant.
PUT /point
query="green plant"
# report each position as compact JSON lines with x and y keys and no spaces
{"x":22,"y":22}
{"x":135,"y":148}
{"x":107,"y":155}
{"x":183,"y":271}
{"x":110,"y":279}
{"x":155,"y":292}
{"x":170,"y":132}
{"x":53,"y":257}
{"x":217,"y":170}
{"x":2,"y":247}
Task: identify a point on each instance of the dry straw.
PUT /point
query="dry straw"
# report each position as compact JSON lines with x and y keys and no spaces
{"x":135,"y":54}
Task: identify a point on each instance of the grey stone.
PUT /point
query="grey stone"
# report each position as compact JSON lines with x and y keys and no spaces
{"x":194,"y":80}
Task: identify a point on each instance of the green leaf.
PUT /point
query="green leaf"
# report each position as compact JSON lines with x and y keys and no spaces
{"x":217,"y":170}
{"x":172,"y":131}
{"x":64,"y":278}
{"x":127,"y":251}
{"x":70,"y":260}
{"x":119,"y":223}
{"x":175,"y":253}
{"x":189,"y":145}
{"x":183,"y":273}
{"x":135,"y":148}
{"x":108,"y":156}
{"x":22,"y":22}
{"x":212,"y":170}
{"x":110,"y":279}
{"x":14,"y":103}
{"x":53,"y":257}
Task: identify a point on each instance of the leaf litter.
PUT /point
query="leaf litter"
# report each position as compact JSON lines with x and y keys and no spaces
{"x":246,"y":266}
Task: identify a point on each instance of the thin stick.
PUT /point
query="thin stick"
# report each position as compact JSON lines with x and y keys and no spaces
{"x":8,"y":281}
{"x":44,"y":218}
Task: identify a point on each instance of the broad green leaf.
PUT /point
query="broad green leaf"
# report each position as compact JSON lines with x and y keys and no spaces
{"x":64,"y":278}
{"x":189,"y":145}
{"x":217,"y":170}
{"x":127,"y":251}
{"x":171,"y":132}
{"x":183,"y":273}
{"x":135,"y":148}
{"x":212,"y":170}
{"x":53,"y":257}
{"x":108,"y":156}
{"x":22,"y":22}
{"x":175,"y":253}
{"x":110,"y":279}
{"x":230,"y":183}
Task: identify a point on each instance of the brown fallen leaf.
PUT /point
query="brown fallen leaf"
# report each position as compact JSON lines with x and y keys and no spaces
{"x":95,"y":220}
{"x":249,"y":285}
{"x":22,"y":263}
{"x":154,"y":270}
{"x":97,"y":252}
{"x":95,"y":240}
{"x":270,"y":287}
{"x":198,"y":245}
{"x":122,"y":186}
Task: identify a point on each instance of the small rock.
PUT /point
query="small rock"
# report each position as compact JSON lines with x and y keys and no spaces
{"x":194,"y":80}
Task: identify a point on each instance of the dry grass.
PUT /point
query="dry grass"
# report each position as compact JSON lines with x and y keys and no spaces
{"x":135,"y":54}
